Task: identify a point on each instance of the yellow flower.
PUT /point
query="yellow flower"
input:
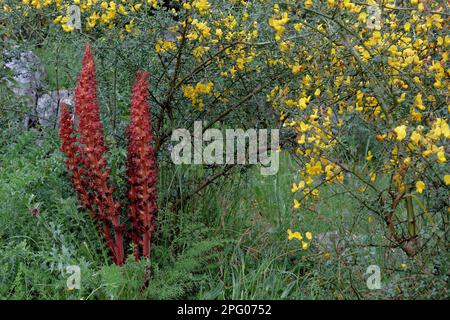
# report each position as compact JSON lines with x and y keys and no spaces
{"x":129,"y":26}
{"x":278,"y":24}
{"x":317,"y":92}
{"x":447,"y":179}
{"x":407,"y":161}
{"x":153,"y":3}
{"x":296,"y":204}
{"x":164,"y":46}
{"x":294,"y":235}
{"x":400,"y":131}
{"x":296,"y":69}
{"x":296,"y":187}
{"x":441,"y":157}
{"x":202,"y":5}
{"x":416,"y":137}
{"x":420,"y":186}
{"x":298,"y":26}
{"x":58,"y":19}
{"x":308,"y":235}
{"x":369,"y":156}
{"x":403,"y":266}
{"x":419,"y":102}
{"x":67,"y":28}
{"x":370,"y":219}
{"x":305,"y":245}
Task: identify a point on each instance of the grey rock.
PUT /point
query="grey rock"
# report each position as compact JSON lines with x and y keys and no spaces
{"x":47,"y":107}
{"x":28,"y":78}
{"x":28,"y":82}
{"x":28,"y":73}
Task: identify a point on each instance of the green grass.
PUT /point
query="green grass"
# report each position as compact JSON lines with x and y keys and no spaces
{"x":229,"y":242}
{"x":61,"y":74}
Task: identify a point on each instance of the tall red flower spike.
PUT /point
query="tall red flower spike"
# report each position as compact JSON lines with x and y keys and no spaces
{"x":85,"y":159}
{"x":70,"y":148}
{"x":93,"y":163}
{"x":142,"y":170}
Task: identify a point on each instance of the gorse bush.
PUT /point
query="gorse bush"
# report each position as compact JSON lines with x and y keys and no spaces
{"x":383,"y":84}
{"x":85,"y":150}
{"x":359,"y":90}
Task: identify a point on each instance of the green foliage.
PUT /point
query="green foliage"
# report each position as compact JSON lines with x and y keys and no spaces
{"x":227,"y":241}
{"x":42,"y":231}
{"x":222,"y":245}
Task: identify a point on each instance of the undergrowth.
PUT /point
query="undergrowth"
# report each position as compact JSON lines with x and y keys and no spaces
{"x":228,"y":243}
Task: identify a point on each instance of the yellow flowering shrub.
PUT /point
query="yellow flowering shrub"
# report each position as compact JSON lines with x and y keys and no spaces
{"x":387,"y":86}
{"x":364,"y":96}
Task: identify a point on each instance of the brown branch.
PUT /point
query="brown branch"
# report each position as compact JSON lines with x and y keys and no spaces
{"x":203,"y":185}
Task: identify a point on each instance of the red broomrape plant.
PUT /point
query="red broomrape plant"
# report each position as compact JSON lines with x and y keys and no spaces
{"x":85,"y":160}
{"x":142,"y":171}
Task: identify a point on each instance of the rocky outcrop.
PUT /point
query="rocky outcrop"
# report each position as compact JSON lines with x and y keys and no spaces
{"x":47,"y":107}
{"x":28,"y":75}
{"x":29,"y":83}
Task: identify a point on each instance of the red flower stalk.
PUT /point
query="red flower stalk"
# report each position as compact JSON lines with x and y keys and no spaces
{"x":85,"y":159}
{"x":71,"y":150}
{"x":94,"y":174}
{"x":141,"y":170}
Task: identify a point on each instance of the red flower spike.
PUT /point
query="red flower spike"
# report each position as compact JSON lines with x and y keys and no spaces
{"x":94,"y":174}
{"x":87,"y":165}
{"x":71,"y":150}
{"x":142,"y":170}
